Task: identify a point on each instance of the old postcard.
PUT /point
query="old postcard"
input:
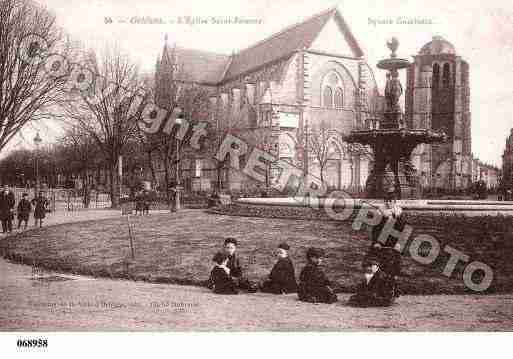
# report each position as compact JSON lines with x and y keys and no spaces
{"x":255,"y":166}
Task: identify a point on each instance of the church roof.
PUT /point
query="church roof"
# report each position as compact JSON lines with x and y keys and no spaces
{"x":212,"y":68}
{"x":292,"y":38}
{"x":438,"y":46}
{"x":201,"y":66}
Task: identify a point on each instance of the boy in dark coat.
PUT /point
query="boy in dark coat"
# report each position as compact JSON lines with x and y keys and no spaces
{"x":220,"y":278}
{"x":314,"y":286}
{"x":40,"y":203}
{"x":24,"y":208}
{"x":7,"y":202}
{"x":138,"y":204}
{"x":282,"y":278}
{"x":388,"y":252}
{"x":376,"y":289}
{"x":146,"y":203}
{"x":230,"y":248}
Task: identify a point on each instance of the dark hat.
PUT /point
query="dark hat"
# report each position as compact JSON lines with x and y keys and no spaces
{"x":219,"y":257}
{"x":314,"y":252}
{"x":230,"y":240}
{"x":370,"y":261}
{"x":284,"y":246}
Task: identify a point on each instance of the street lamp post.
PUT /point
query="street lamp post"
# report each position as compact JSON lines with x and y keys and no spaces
{"x":178,"y":121}
{"x":305,"y":152}
{"x":37,"y":142}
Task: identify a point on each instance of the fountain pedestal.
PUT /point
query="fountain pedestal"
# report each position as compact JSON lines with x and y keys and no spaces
{"x":392,"y":144}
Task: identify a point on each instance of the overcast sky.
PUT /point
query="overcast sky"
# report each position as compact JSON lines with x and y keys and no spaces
{"x":482,"y":33}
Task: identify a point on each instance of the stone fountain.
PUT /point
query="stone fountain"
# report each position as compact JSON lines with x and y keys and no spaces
{"x":391,"y":142}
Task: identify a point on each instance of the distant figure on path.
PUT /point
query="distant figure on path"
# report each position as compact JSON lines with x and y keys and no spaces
{"x":222,"y":282}
{"x":146,"y":203}
{"x":40,"y":204}
{"x":314,"y":286}
{"x":7,"y":202}
{"x":282,"y":278}
{"x":214,"y":200}
{"x":24,"y":208}
{"x":376,"y":288}
{"x":138,"y":204}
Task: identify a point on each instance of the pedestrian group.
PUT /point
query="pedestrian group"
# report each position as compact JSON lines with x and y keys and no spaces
{"x":8,"y":208}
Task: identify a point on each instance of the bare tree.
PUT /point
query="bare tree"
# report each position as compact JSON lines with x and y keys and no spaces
{"x":320,"y":143}
{"x":29,"y":89}
{"x":110,"y":108}
{"x":173,"y":89}
{"x":80,"y":151}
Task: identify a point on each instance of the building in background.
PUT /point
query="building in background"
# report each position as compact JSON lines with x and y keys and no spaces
{"x":309,"y":81}
{"x":490,"y":175}
{"x":437,"y":97}
{"x":507,"y":162}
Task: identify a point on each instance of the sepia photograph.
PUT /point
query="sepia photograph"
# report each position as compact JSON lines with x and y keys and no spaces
{"x":255,"y":167}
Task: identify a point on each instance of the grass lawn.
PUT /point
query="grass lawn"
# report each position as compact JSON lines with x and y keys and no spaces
{"x":177,"y":248}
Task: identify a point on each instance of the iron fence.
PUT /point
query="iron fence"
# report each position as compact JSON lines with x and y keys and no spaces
{"x":61,"y":199}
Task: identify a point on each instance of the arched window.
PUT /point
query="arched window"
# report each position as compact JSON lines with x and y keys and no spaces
{"x":446,"y":75}
{"x":436,"y":75}
{"x":339,"y":98}
{"x":327,"y":97}
{"x":332,"y":89}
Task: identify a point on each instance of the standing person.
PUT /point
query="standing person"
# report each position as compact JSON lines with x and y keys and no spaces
{"x":40,"y":204}
{"x":7,"y":202}
{"x":24,"y":208}
{"x":314,"y":286}
{"x":146,"y":202}
{"x":390,"y":210}
{"x":387,"y":251}
{"x":138,"y":204}
{"x":282,"y":278}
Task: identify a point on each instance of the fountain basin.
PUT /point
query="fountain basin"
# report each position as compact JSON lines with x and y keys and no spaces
{"x":413,"y":205}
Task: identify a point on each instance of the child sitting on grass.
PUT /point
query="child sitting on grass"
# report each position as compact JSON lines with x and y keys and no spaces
{"x":314,"y":286}
{"x":282,"y":278}
{"x":376,"y":288}
{"x":220,"y":278}
{"x":230,"y":249}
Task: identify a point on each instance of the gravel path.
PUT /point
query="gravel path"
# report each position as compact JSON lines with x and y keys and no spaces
{"x":77,"y":303}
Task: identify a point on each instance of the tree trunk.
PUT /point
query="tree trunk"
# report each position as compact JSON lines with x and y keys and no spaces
{"x":167,"y":180}
{"x":152,"y":168}
{"x":87,"y":191}
{"x":114,"y":190}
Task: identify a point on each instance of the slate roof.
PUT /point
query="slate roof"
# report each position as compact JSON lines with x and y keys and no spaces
{"x":212,"y":68}
{"x":201,"y":66}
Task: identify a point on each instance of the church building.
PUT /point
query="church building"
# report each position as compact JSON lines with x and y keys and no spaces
{"x":437,"y":97}
{"x":297,"y":92}
{"x":507,"y":162}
